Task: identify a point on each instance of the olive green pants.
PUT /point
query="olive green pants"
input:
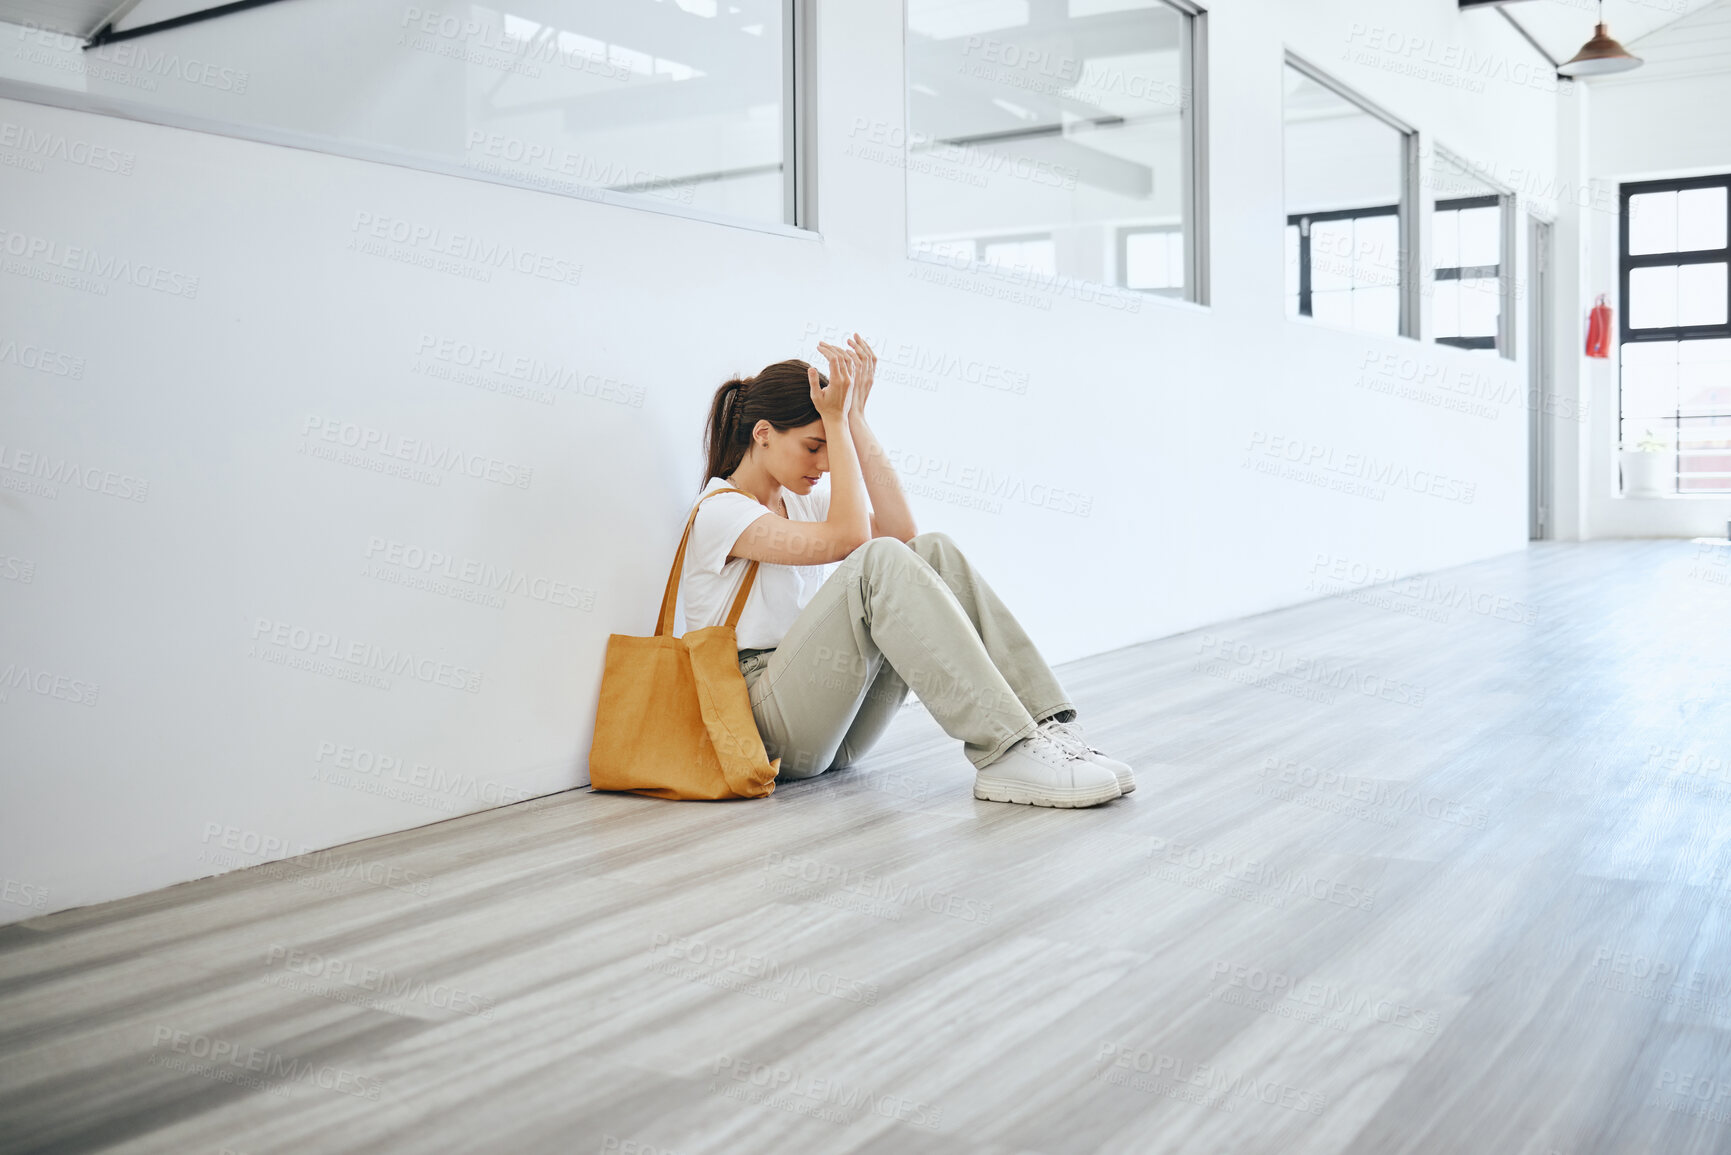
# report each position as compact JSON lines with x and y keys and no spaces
{"x":895,"y":616}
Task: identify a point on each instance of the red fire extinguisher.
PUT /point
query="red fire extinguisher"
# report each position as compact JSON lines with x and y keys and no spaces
{"x":1599,"y":329}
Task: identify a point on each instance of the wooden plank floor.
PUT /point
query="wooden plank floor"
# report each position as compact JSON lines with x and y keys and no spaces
{"x":1437,"y":867}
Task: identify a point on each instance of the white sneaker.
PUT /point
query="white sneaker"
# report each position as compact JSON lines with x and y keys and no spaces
{"x":1069,"y":735}
{"x":1037,"y":771}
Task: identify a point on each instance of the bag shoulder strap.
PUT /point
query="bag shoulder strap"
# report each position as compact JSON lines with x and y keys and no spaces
{"x":664,"y":623}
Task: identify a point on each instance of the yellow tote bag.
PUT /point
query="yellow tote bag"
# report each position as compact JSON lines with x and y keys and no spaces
{"x":675,"y":717}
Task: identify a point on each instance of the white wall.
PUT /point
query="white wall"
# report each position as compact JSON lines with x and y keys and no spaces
{"x":1665,"y":119}
{"x":192,"y":738}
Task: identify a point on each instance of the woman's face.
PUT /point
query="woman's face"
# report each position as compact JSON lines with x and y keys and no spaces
{"x":797,"y":458}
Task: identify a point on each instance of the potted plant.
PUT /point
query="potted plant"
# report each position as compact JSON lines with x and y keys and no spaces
{"x":1647,"y":466}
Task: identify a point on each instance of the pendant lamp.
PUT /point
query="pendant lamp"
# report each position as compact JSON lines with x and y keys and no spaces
{"x":1600,"y":55}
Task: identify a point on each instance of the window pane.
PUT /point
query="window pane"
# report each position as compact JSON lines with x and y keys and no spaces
{"x":1292,"y":270}
{"x":680,"y":104}
{"x":1445,"y":239}
{"x":1339,"y":159}
{"x":1034,"y":256}
{"x":1335,"y":307}
{"x":1481,"y":239}
{"x":1467,"y":238}
{"x":959,"y":251}
{"x":1681,"y":390}
{"x":1376,"y":250}
{"x":1701,"y":218}
{"x":1704,"y":377}
{"x":1716,"y":351}
{"x":1704,"y":446}
{"x":1330,"y":255}
{"x":1701,"y":294}
{"x":1653,"y":223}
{"x":969,"y":17}
{"x":1154,"y":260}
{"x":1067,"y":119}
{"x":1446,"y":309}
{"x":1479,"y":300}
{"x":1377,"y":310}
{"x":1653,"y":297}
{"x":1175,"y":259}
{"x":1649,"y":378}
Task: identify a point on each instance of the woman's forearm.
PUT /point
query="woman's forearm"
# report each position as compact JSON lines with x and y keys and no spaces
{"x":847,"y":490}
{"x":888,"y":501}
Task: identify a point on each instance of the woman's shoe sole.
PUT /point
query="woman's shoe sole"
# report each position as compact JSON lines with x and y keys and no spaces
{"x":999,"y":790}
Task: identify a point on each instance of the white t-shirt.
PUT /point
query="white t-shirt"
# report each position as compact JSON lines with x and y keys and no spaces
{"x":780,"y":591}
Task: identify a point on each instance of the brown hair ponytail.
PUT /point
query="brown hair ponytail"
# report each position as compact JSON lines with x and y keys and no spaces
{"x":780,"y":395}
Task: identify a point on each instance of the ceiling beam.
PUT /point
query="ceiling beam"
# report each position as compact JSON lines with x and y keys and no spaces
{"x":1528,"y":37}
{"x":107,"y":35}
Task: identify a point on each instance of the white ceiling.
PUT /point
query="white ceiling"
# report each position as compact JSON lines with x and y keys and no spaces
{"x":83,"y":17}
{"x":73,"y":17}
{"x":1562,"y":26}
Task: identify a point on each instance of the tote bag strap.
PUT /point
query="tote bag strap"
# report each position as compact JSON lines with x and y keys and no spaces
{"x":664,"y":624}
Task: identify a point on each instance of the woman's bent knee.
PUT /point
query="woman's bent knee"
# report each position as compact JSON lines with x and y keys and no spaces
{"x":924,"y":543}
{"x":800,"y":763}
{"x":790,"y":771}
{"x":894,"y":551}
{"x":881,"y":550}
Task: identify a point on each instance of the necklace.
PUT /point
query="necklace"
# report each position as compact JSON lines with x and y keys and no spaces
{"x":780,"y":496}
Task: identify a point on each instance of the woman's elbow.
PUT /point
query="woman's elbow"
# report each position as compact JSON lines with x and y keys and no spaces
{"x":845,"y":546}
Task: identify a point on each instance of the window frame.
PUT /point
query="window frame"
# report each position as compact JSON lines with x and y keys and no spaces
{"x":1193,"y":81}
{"x":1498,"y":271}
{"x":799,"y":116}
{"x":1406,"y":207}
{"x":1193,"y":137}
{"x":1508,"y":238}
{"x":1627,"y":262}
{"x":1627,"y":334}
{"x":799,"y":139}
